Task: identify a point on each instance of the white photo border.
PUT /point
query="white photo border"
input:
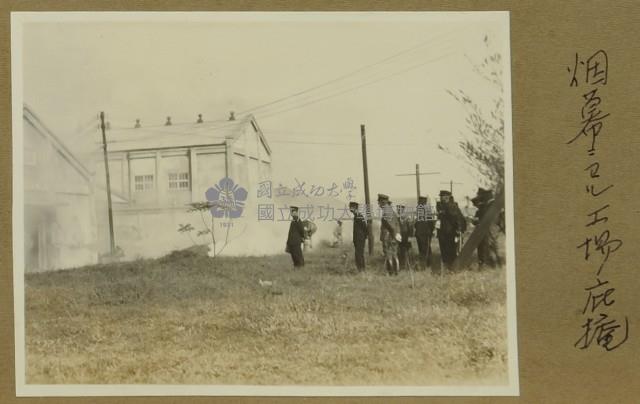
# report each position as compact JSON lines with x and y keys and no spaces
{"x":18,"y":19}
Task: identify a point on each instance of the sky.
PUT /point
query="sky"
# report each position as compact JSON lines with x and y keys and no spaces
{"x":388,"y":72}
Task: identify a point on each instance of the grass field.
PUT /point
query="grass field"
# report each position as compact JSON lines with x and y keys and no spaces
{"x":187,"y":318}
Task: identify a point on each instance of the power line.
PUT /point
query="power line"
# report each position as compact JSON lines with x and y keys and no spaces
{"x":341,"y":144}
{"x":393,"y":69}
{"x":355,"y":87}
{"x":352,"y":73}
{"x":209,"y":125}
{"x":313,"y":101}
{"x":206,"y":124}
{"x":323,"y":134}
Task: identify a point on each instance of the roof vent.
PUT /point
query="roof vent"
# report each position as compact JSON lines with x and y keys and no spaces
{"x":137,"y":125}
{"x":199,"y":118}
{"x":168,"y":123}
{"x":232,"y":116}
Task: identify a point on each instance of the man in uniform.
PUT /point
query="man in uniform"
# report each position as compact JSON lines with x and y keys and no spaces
{"x":406,"y":231}
{"x":360,"y":234}
{"x":424,"y":226}
{"x":383,"y":232}
{"x":389,"y":234}
{"x":488,"y":247}
{"x":452,"y":224}
{"x":295,"y":238}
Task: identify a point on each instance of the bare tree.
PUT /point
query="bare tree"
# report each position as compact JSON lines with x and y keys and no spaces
{"x":482,"y":146}
{"x":209,"y":228}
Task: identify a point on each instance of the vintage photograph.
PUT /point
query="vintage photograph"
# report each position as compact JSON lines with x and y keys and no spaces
{"x":236,"y":203}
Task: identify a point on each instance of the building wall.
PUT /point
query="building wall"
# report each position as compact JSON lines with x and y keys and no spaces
{"x":60,"y":230}
{"x":209,"y":169}
{"x":146,"y":225}
{"x":152,"y":232}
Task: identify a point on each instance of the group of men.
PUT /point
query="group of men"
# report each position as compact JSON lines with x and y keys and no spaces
{"x":398,"y":226}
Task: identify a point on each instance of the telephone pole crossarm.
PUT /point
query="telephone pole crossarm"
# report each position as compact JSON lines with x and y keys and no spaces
{"x":417,"y":174}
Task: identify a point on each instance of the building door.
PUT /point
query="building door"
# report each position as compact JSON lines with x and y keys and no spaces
{"x":38,"y":247}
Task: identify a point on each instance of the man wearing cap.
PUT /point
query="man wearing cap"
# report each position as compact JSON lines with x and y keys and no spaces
{"x":488,"y":246}
{"x":383,"y":230}
{"x":389,"y":234}
{"x":452,"y":224}
{"x":406,"y":231}
{"x":360,"y":233}
{"x":424,"y":226}
{"x":296,"y":238}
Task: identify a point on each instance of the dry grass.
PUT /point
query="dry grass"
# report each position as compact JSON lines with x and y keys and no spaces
{"x":187,"y":318}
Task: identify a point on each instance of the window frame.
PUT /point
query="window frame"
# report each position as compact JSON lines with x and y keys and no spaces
{"x":147,"y":182}
{"x":181,"y":181}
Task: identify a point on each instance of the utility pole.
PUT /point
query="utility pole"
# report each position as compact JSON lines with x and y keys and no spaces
{"x":418,"y":174}
{"x":106,"y":169}
{"x":417,"y":182}
{"x":450,"y":183}
{"x":367,"y":197}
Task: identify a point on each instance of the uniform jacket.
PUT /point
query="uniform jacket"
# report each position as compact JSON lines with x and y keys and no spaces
{"x":425,"y":222}
{"x":390,"y":223}
{"x":494,"y":228}
{"x":406,"y":228}
{"x":451,"y":219}
{"x":296,"y":232}
{"x":360,"y":232}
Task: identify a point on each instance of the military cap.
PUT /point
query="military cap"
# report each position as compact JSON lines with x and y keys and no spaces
{"x":353,"y":204}
{"x":483,"y":195}
{"x":422,"y":199}
{"x":293,"y":208}
{"x":383,"y":197}
{"x":444,"y":192}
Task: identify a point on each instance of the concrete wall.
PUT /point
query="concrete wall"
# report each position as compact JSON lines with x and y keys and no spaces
{"x":146,"y":225}
{"x":60,"y":222}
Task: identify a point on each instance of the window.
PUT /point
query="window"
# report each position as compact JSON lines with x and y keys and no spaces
{"x":178,"y":181}
{"x":143,"y":182}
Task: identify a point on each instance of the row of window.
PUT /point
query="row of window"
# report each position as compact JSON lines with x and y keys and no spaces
{"x":177,"y":181}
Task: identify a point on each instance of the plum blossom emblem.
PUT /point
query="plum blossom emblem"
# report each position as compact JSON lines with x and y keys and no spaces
{"x":226,"y":198}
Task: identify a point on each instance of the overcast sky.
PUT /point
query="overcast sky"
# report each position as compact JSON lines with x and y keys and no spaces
{"x":390,"y":74}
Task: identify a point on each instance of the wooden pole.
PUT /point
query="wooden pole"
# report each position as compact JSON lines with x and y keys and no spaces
{"x":367,"y":197}
{"x":451,"y":183}
{"x":418,"y":174}
{"x":106,"y":168}
{"x":417,"y":182}
{"x":463,"y":259}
